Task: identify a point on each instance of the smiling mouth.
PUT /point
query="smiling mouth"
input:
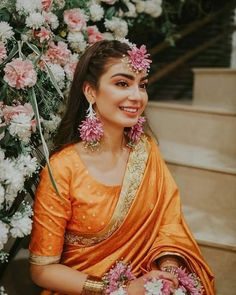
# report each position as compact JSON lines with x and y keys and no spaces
{"x":129,"y":109}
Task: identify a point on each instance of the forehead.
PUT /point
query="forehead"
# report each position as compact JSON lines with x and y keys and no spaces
{"x":118,"y":66}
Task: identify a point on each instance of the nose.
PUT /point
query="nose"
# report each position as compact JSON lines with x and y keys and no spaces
{"x":135,"y":93}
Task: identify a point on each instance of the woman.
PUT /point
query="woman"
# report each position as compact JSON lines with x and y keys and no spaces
{"x":117,"y":199}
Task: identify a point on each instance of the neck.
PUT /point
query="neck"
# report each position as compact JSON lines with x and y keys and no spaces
{"x":114,"y":140}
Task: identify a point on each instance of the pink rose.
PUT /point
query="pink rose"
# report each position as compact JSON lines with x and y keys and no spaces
{"x":75,"y":19}
{"x":94,"y":35}
{"x":58,"y":54}
{"x":3,"y":52}
{"x":20,"y":73}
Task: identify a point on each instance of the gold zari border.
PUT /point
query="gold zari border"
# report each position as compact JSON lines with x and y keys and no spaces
{"x":133,"y":176}
{"x":43,"y":260}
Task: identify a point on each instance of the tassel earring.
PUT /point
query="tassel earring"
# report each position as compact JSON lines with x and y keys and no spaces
{"x":91,"y":129}
{"x":136,"y":132}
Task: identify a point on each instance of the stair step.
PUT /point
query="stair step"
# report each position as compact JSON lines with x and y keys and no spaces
{"x":208,"y":200}
{"x":215,"y":86}
{"x":212,"y":129}
{"x":197,"y":157}
{"x":223,"y":264}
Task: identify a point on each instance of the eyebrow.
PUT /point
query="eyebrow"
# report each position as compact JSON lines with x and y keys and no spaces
{"x":130,"y":77}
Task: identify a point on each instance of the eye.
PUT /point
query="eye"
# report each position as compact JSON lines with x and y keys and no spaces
{"x":122,"y":84}
{"x":143,"y":85}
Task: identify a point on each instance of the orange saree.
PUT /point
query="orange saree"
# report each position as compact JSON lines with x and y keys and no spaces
{"x":91,"y":225}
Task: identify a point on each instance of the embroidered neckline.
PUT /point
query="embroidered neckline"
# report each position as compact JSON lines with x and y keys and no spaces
{"x":132,"y":179}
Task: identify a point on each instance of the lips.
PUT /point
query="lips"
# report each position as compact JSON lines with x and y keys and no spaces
{"x":130,"y":109}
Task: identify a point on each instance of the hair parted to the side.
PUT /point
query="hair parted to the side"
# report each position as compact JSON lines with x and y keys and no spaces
{"x":91,"y":66}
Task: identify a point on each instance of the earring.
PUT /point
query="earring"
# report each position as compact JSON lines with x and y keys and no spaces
{"x":135,"y":132}
{"x":91,"y":129}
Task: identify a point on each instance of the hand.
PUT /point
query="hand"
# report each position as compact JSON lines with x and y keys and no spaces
{"x":136,"y":286}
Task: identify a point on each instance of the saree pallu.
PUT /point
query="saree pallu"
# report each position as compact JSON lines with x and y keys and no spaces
{"x":146,"y":223}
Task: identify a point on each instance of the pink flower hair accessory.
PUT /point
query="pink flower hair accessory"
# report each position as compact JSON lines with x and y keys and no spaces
{"x":135,"y":133}
{"x":91,"y":130}
{"x":137,"y":59}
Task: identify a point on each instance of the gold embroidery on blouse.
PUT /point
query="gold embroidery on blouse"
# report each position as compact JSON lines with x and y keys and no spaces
{"x":133,"y":176}
{"x":43,"y":260}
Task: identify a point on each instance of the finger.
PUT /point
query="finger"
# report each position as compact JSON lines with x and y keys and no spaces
{"x":170,"y":277}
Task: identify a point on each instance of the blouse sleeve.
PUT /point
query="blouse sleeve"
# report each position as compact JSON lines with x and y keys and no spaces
{"x":51,"y":214}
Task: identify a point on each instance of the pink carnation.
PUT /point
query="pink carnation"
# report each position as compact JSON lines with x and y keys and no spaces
{"x":3,"y":52}
{"x":46,"y":4}
{"x":75,"y":19}
{"x":10,"y":111}
{"x":70,"y":69}
{"x":43,"y":34}
{"x":20,"y":73}
{"x":58,"y":54}
{"x":139,"y":58}
{"x":94,"y":35}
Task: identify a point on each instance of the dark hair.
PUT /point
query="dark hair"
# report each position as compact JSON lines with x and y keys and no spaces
{"x":91,"y":66}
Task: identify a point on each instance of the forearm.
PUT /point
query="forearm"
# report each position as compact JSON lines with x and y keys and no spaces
{"x":58,"y":277}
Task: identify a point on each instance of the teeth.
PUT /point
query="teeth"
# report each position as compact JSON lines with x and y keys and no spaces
{"x":131,"y":110}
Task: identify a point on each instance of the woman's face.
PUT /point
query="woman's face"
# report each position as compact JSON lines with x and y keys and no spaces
{"x":121,"y":96}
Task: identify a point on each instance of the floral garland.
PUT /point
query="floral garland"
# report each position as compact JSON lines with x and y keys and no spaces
{"x":40,"y":44}
{"x":118,"y":277}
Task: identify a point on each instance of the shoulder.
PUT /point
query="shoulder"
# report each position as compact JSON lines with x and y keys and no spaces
{"x":62,"y":162}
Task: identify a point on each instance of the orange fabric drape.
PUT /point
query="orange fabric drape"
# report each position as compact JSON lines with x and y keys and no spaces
{"x":153,"y":225}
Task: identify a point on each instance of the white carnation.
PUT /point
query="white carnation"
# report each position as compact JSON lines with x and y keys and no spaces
{"x":132,"y":9}
{"x":51,"y":125}
{"x":3,"y":234}
{"x":108,"y":36}
{"x":51,"y":19}
{"x":26,"y":6}
{"x":179,"y":292}
{"x":153,"y":287}
{"x":20,"y":126}
{"x":96,"y":12}
{"x":27,"y":165}
{"x":77,"y":41}
{"x":2,"y":195}
{"x":35,"y":20}
{"x":75,"y":37}
{"x":58,"y":73}
{"x":153,"y":7}
{"x":6,"y":31}
{"x":21,"y":225}
{"x":140,"y":6}
{"x":118,"y":26}
{"x":2,"y":155}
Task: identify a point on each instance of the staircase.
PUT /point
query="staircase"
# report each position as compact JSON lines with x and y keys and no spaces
{"x":198,"y":142}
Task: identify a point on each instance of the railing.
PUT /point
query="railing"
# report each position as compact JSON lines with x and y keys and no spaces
{"x":193,"y":27}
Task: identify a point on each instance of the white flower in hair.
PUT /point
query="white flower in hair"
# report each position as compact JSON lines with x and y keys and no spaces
{"x":96,"y":12}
